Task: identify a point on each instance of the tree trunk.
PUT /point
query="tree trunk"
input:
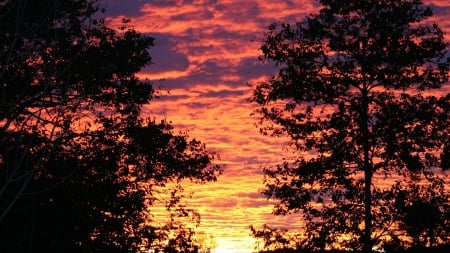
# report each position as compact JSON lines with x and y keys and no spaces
{"x":366,"y":240}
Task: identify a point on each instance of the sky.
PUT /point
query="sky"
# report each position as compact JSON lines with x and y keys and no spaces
{"x":206,"y":55}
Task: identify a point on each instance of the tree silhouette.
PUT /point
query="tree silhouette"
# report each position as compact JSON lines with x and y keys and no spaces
{"x":357,"y":93}
{"x":60,"y":65}
{"x":423,"y":212}
{"x":274,"y":238}
{"x":80,"y":169}
{"x":205,"y":242}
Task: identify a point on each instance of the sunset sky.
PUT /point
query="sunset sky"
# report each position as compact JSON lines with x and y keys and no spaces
{"x":207,"y":52}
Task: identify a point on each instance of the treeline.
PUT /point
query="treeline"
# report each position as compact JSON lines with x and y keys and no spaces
{"x":437,"y":249}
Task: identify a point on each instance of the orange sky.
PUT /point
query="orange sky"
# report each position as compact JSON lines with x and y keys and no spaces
{"x":206,"y":50}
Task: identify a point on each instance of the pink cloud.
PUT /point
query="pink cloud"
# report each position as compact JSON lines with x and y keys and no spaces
{"x":207,"y":52}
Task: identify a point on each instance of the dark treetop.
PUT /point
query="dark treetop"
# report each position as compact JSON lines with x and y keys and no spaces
{"x":80,"y":169}
{"x":357,"y":92}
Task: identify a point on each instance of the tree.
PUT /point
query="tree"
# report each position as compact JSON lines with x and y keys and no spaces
{"x":80,"y":168}
{"x":60,"y":65}
{"x":205,"y":242}
{"x":102,"y":201}
{"x":274,"y":238}
{"x":423,"y":213}
{"x":357,"y":92}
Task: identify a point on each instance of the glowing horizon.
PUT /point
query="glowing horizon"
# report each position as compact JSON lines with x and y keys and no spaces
{"x":207,"y":51}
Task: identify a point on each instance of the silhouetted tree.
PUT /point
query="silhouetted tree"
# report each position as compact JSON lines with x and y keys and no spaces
{"x":357,"y":93}
{"x":80,"y":169}
{"x":59,"y":65}
{"x":205,"y":242}
{"x":274,"y":238}
{"x":423,"y":212}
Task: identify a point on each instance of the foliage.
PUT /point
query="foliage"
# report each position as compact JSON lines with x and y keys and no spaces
{"x":80,"y":170}
{"x":206,"y":242}
{"x":274,"y":238}
{"x":422,"y":211}
{"x":438,"y":249}
{"x":358,"y":94}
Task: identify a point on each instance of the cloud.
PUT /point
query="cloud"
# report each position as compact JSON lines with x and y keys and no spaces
{"x":164,"y":58}
{"x":207,"y":51}
{"x":223,"y":93}
{"x":439,"y":8}
{"x":132,"y":8}
{"x":193,"y":15}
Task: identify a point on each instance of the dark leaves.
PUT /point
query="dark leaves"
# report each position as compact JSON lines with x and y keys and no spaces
{"x":80,"y":170}
{"x":350,"y":94}
{"x":445,"y":157}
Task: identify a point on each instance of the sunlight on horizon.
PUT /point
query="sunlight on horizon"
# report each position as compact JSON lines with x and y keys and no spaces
{"x":228,"y":245}
{"x":226,"y":250}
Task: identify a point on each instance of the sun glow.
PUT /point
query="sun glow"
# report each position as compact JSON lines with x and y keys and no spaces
{"x":227,"y":245}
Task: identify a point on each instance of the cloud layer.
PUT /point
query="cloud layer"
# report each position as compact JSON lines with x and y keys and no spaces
{"x":207,"y":52}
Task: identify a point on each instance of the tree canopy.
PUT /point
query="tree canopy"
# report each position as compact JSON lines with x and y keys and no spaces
{"x":80,"y":167}
{"x":358,"y":92}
